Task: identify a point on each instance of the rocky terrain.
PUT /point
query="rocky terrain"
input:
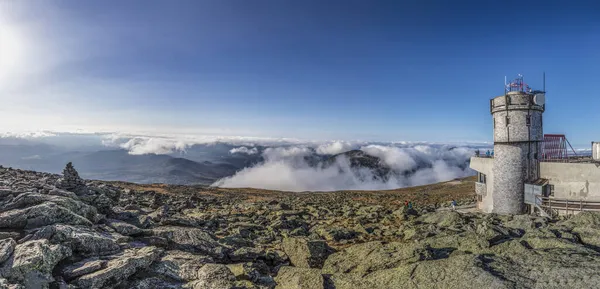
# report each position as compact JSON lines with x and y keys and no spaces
{"x":59,"y":231}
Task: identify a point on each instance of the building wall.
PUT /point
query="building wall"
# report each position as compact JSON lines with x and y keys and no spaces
{"x":518,"y":133}
{"x":573,"y":180}
{"x":509,"y":172}
{"x":485,"y":166}
{"x":517,"y":130}
{"x":596,"y":151}
{"x":519,"y":106}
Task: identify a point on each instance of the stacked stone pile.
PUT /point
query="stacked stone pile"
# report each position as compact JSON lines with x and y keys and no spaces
{"x":70,"y":180}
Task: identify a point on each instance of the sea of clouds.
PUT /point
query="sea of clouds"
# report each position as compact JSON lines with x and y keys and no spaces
{"x":287,"y":162}
{"x":286,"y":168}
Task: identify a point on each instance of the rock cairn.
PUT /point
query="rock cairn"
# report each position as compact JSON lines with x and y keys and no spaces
{"x":70,"y":179}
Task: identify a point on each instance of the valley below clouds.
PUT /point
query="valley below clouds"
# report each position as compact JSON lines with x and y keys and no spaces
{"x":239,"y":162}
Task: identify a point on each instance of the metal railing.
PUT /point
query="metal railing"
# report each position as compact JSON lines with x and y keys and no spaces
{"x":571,"y":159}
{"x":552,"y":205}
{"x":483,"y":155}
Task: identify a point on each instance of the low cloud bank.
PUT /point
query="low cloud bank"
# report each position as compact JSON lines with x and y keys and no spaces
{"x":291,"y":154}
{"x":244,"y":150}
{"x":141,"y":146}
{"x":287,"y":168}
{"x":166,"y":144}
{"x":336,"y":147}
{"x":27,"y":135}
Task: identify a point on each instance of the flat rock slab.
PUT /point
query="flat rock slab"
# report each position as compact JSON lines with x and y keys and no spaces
{"x":246,"y":254}
{"x":299,"y":278}
{"x":155,"y":283}
{"x":83,"y":267}
{"x":32,"y":263}
{"x":214,"y":276}
{"x":41,"y":215}
{"x":76,"y":206}
{"x":466,"y":271}
{"x":179,"y":265}
{"x":306,"y":253}
{"x":123,"y":228}
{"x":190,"y":239}
{"x":372,"y":256}
{"x":119,"y":268}
{"x":82,"y":240}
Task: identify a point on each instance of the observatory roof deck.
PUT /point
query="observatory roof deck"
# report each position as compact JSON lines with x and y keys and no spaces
{"x":573,"y":160}
{"x":514,"y":100}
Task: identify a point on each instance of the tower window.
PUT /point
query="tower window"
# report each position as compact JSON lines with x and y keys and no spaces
{"x":481,"y":178}
{"x":528,"y":120}
{"x":507,"y":120}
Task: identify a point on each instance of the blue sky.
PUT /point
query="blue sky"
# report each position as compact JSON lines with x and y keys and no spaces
{"x":370,"y":70}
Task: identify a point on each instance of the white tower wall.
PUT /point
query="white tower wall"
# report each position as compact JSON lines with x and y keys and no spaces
{"x":518,"y":135}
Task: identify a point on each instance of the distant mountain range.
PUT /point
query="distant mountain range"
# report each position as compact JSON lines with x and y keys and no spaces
{"x":198,"y":164}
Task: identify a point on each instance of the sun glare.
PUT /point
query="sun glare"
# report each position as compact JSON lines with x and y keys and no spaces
{"x":11,"y":50}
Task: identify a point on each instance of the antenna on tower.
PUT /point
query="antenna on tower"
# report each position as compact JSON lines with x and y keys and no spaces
{"x":544,"y":81}
{"x":505,"y":84}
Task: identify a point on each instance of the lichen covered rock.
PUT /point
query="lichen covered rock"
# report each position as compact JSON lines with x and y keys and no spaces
{"x":299,"y":278}
{"x":32,"y":263}
{"x":119,"y":268}
{"x":214,"y":276}
{"x":180,"y":265}
{"x":306,"y":253}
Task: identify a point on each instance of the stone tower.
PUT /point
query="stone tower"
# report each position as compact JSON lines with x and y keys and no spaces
{"x":518,"y":137}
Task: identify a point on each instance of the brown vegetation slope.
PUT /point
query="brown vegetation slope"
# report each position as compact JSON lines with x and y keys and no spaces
{"x":439,"y":194}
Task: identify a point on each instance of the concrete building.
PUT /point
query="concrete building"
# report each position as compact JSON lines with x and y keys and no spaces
{"x":522,"y":176}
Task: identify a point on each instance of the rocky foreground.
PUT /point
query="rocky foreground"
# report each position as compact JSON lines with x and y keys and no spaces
{"x":64,"y":232}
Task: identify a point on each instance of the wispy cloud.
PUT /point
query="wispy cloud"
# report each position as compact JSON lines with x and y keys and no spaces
{"x":168,"y":143}
{"x":244,"y":150}
{"x":142,"y":146}
{"x":27,"y":135}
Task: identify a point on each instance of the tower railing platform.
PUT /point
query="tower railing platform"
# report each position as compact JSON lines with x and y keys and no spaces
{"x":483,"y":156}
{"x":552,"y":206}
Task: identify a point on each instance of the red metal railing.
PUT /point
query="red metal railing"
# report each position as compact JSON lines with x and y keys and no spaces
{"x":554,"y":148}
